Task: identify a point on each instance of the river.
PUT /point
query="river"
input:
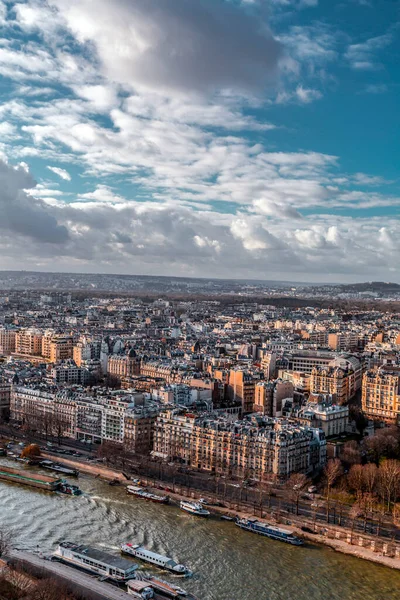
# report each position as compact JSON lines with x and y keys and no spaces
{"x":228,"y":564}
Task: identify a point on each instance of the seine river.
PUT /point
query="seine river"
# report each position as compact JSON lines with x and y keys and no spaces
{"x":228,"y":564}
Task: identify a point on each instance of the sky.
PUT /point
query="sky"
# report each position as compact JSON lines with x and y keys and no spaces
{"x":206,"y":138}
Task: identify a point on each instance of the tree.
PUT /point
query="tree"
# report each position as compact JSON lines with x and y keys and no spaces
{"x":370,"y":478}
{"x":355,"y":480}
{"x":332,"y":472}
{"x":351,"y":454}
{"x":295,"y":485}
{"x":384,"y":444}
{"x":389,"y":481}
{"x":6,"y":539}
{"x":50,"y":589}
{"x":31,"y":451}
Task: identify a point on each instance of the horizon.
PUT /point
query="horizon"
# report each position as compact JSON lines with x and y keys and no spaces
{"x":243,"y":139}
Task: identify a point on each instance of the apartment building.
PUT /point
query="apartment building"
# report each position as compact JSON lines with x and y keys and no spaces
{"x":28,"y":342}
{"x":343,"y":341}
{"x":173,"y":436}
{"x":241,"y":389}
{"x":331,"y":418}
{"x":333,"y":380}
{"x":44,"y":409}
{"x":139,"y":427}
{"x":381,"y":394}
{"x":7,"y":341}
{"x":69,"y":372}
{"x":5,"y":398}
{"x":257,"y":448}
{"x":269,"y":396}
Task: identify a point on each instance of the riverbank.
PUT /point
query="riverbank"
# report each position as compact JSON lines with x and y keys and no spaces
{"x":374,"y":549}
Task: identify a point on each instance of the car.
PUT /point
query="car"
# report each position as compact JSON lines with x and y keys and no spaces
{"x":137,"y":481}
{"x":312,"y":489}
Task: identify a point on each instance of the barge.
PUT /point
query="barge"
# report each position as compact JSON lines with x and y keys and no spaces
{"x":43,"y":482}
{"x":145,"y":495}
{"x":275,"y":533}
{"x":58,"y":468}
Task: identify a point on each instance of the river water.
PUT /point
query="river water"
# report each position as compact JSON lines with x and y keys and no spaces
{"x":228,"y":563}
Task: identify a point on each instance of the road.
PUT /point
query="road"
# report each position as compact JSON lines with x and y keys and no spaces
{"x":87,"y":583}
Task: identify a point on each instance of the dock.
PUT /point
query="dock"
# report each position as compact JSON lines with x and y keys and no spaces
{"x":88,"y":586}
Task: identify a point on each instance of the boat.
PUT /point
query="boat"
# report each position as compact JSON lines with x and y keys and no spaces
{"x":140,"y":589}
{"x":68,"y":488}
{"x":58,"y":467}
{"x":108,"y":566}
{"x":275,"y":533}
{"x":227,"y":518}
{"x":160,"y":585}
{"x":163,"y":562}
{"x":194,"y":508}
{"x":43,"y":482}
{"x":141,"y":493}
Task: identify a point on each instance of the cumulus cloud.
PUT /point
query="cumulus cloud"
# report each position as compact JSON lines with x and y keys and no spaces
{"x":175,"y":47}
{"x":63,"y":173}
{"x":23,"y":214}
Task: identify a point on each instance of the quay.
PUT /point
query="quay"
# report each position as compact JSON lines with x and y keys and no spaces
{"x":89,"y":587}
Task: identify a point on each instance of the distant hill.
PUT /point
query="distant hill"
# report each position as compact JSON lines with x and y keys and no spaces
{"x":371,"y":286}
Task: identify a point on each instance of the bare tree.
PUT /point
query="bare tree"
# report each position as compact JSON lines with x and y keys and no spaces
{"x":332,"y":472}
{"x":389,"y":481}
{"x":355,"y":480}
{"x":370,"y":478}
{"x":351,"y":454}
{"x":295,"y":485}
{"x":6,"y":539}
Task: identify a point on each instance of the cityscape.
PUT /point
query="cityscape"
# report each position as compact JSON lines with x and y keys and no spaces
{"x":199,"y":300}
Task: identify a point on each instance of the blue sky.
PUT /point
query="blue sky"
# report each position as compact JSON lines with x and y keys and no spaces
{"x":217,"y":138}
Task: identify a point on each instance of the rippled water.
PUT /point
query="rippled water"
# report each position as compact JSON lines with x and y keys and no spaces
{"x":229,"y":564}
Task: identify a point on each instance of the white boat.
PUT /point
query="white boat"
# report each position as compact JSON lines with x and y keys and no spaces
{"x":96,"y":561}
{"x":194,"y":508}
{"x":163,"y":562}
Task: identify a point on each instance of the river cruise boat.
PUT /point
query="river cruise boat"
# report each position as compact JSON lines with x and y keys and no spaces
{"x":145,"y":495}
{"x":163,"y":562}
{"x":107,"y":566}
{"x":275,"y":533}
{"x":194,"y":508}
{"x":58,"y":468}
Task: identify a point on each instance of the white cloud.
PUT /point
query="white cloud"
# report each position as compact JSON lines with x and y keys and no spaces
{"x":63,"y":173}
{"x":362,"y":56}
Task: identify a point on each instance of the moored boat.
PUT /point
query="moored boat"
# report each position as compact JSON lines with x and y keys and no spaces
{"x":163,"y":562}
{"x":164,"y":587}
{"x":58,"y":467}
{"x":69,"y":489}
{"x":96,"y":561}
{"x":141,"y":493}
{"x":275,"y":533}
{"x":194,"y":508}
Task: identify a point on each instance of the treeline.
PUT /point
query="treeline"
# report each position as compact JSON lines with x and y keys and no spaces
{"x":368,"y":472}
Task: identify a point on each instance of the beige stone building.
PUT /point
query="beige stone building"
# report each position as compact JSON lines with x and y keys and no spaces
{"x":381,"y":394}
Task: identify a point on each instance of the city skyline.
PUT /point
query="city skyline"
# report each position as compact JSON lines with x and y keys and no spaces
{"x":226,"y":139}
